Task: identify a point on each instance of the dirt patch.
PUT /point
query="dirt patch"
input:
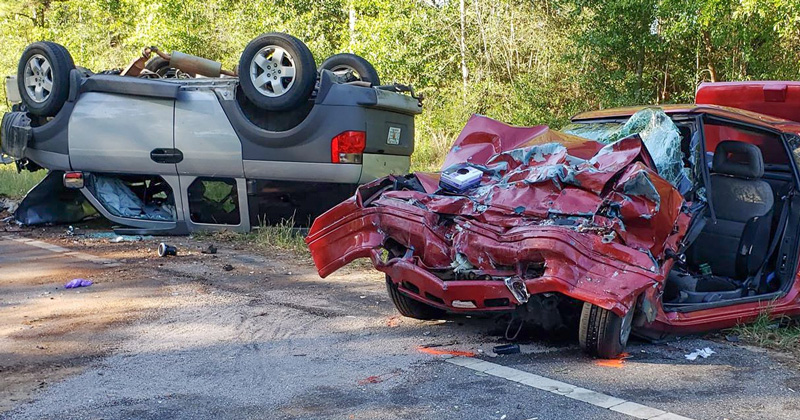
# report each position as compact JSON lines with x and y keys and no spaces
{"x":50,"y":332}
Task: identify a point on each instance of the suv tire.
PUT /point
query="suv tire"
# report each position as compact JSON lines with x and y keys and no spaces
{"x":409,"y":307}
{"x":361,"y":68}
{"x":277,"y":72}
{"x":43,"y":77}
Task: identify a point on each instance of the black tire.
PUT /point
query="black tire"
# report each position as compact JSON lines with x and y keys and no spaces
{"x":293,"y":91}
{"x":601,"y":332}
{"x":362,"y":69}
{"x":161,"y":67}
{"x":60,"y":64}
{"x":410,"y":307}
{"x":158,"y":66}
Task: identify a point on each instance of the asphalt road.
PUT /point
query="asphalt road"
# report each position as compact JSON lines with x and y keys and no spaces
{"x":271,"y":340}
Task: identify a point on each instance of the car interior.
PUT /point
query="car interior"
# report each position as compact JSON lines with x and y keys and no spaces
{"x":732,"y":246}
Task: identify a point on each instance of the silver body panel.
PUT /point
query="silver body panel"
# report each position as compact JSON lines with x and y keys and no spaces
{"x":375,"y":166}
{"x":115,"y":133}
{"x":49,"y":160}
{"x":302,"y":171}
{"x":203,"y":134}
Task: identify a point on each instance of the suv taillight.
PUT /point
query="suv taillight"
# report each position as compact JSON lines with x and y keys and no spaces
{"x":348,"y":147}
{"x":73,"y":180}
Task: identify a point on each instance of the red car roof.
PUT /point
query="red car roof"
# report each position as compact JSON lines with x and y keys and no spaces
{"x":771,"y":104}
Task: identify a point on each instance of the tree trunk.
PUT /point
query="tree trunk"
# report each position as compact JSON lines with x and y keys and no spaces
{"x":352,"y":16}
{"x":712,"y":69}
{"x":463,"y":46}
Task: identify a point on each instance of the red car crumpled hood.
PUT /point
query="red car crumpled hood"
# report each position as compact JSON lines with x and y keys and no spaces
{"x":599,"y":218}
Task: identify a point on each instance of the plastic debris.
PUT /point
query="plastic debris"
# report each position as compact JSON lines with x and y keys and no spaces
{"x":704,"y":353}
{"x":460,"y":178}
{"x":506,"y":349}
{"x":74,"y":283}
{"x":165,"y":250}
{"x":50,"y":202}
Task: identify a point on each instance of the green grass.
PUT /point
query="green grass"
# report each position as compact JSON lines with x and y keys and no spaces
{"x":16,"y":185}
{"x":283,"y":236}
{"x":777,"y":333}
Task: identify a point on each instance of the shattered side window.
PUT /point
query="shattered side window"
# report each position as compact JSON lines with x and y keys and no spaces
{"x":794,"y":146}
{"x":136,"y":197}
{"x":592,"y":131}
{"x":659,"y":134}
{"x":214,"y":201}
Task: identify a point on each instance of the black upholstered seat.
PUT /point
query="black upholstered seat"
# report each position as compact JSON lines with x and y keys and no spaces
{"x":736,"y":245}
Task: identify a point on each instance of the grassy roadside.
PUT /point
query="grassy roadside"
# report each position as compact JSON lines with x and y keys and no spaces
{"x":16,"y":185}
{"x":776,"y":333}
{"x":283,"y":236}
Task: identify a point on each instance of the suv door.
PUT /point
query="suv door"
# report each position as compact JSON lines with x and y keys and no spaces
{"x":211,"y":173}
{"x":122,"y":134}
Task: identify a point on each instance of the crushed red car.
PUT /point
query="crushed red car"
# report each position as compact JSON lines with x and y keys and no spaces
{"x":660,"y":221}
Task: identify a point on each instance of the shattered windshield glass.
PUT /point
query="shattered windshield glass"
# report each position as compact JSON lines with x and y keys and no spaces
{"x":659,"y":134}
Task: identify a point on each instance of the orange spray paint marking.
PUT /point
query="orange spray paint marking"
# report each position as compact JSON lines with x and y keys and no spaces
{"x":613,"y":363}
{"x":441,"y":352}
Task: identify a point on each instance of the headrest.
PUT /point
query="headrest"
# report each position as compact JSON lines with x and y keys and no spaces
{"x":739,"y":159}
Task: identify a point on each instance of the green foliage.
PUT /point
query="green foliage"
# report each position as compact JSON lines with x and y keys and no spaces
{"x":779,"y":333}
{"x":15,"y":185}
{"x":524,"y":62}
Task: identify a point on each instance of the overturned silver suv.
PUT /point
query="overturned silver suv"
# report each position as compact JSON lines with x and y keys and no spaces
{"x":173,"y":143}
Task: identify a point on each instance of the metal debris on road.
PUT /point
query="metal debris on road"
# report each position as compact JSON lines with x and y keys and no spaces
{"x":165,"y":250}
{"x":506,"y":349}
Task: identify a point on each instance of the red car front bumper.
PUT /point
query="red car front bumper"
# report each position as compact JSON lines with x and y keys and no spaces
{"x":577,"y":265}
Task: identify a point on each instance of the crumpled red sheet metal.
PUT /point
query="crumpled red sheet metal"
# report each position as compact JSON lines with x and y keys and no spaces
{"x":597,"y":216}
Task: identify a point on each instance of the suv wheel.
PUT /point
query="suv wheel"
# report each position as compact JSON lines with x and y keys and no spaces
{"x":410,"y":307}
{"x":360,"y":68}
{"x":277,"y":72}
{"x":602,"y":333}
{"x":43,"y":77}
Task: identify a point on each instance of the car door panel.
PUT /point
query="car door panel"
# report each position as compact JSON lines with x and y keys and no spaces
{"x":116,"y":134}
{"x":205,"y":137}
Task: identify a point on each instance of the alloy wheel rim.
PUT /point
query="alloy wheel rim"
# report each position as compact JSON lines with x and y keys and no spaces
{"x":38,"y":78}
{"x":625,"y":329}
{"x":273,"y":71}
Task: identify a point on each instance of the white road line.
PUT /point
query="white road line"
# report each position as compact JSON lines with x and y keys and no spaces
{"x":598,"y":399}
{"x":45,"y":245}
{"x":61,"y":250}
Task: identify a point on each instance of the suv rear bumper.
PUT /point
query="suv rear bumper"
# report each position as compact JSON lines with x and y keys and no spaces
{"x":374,"y":166}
